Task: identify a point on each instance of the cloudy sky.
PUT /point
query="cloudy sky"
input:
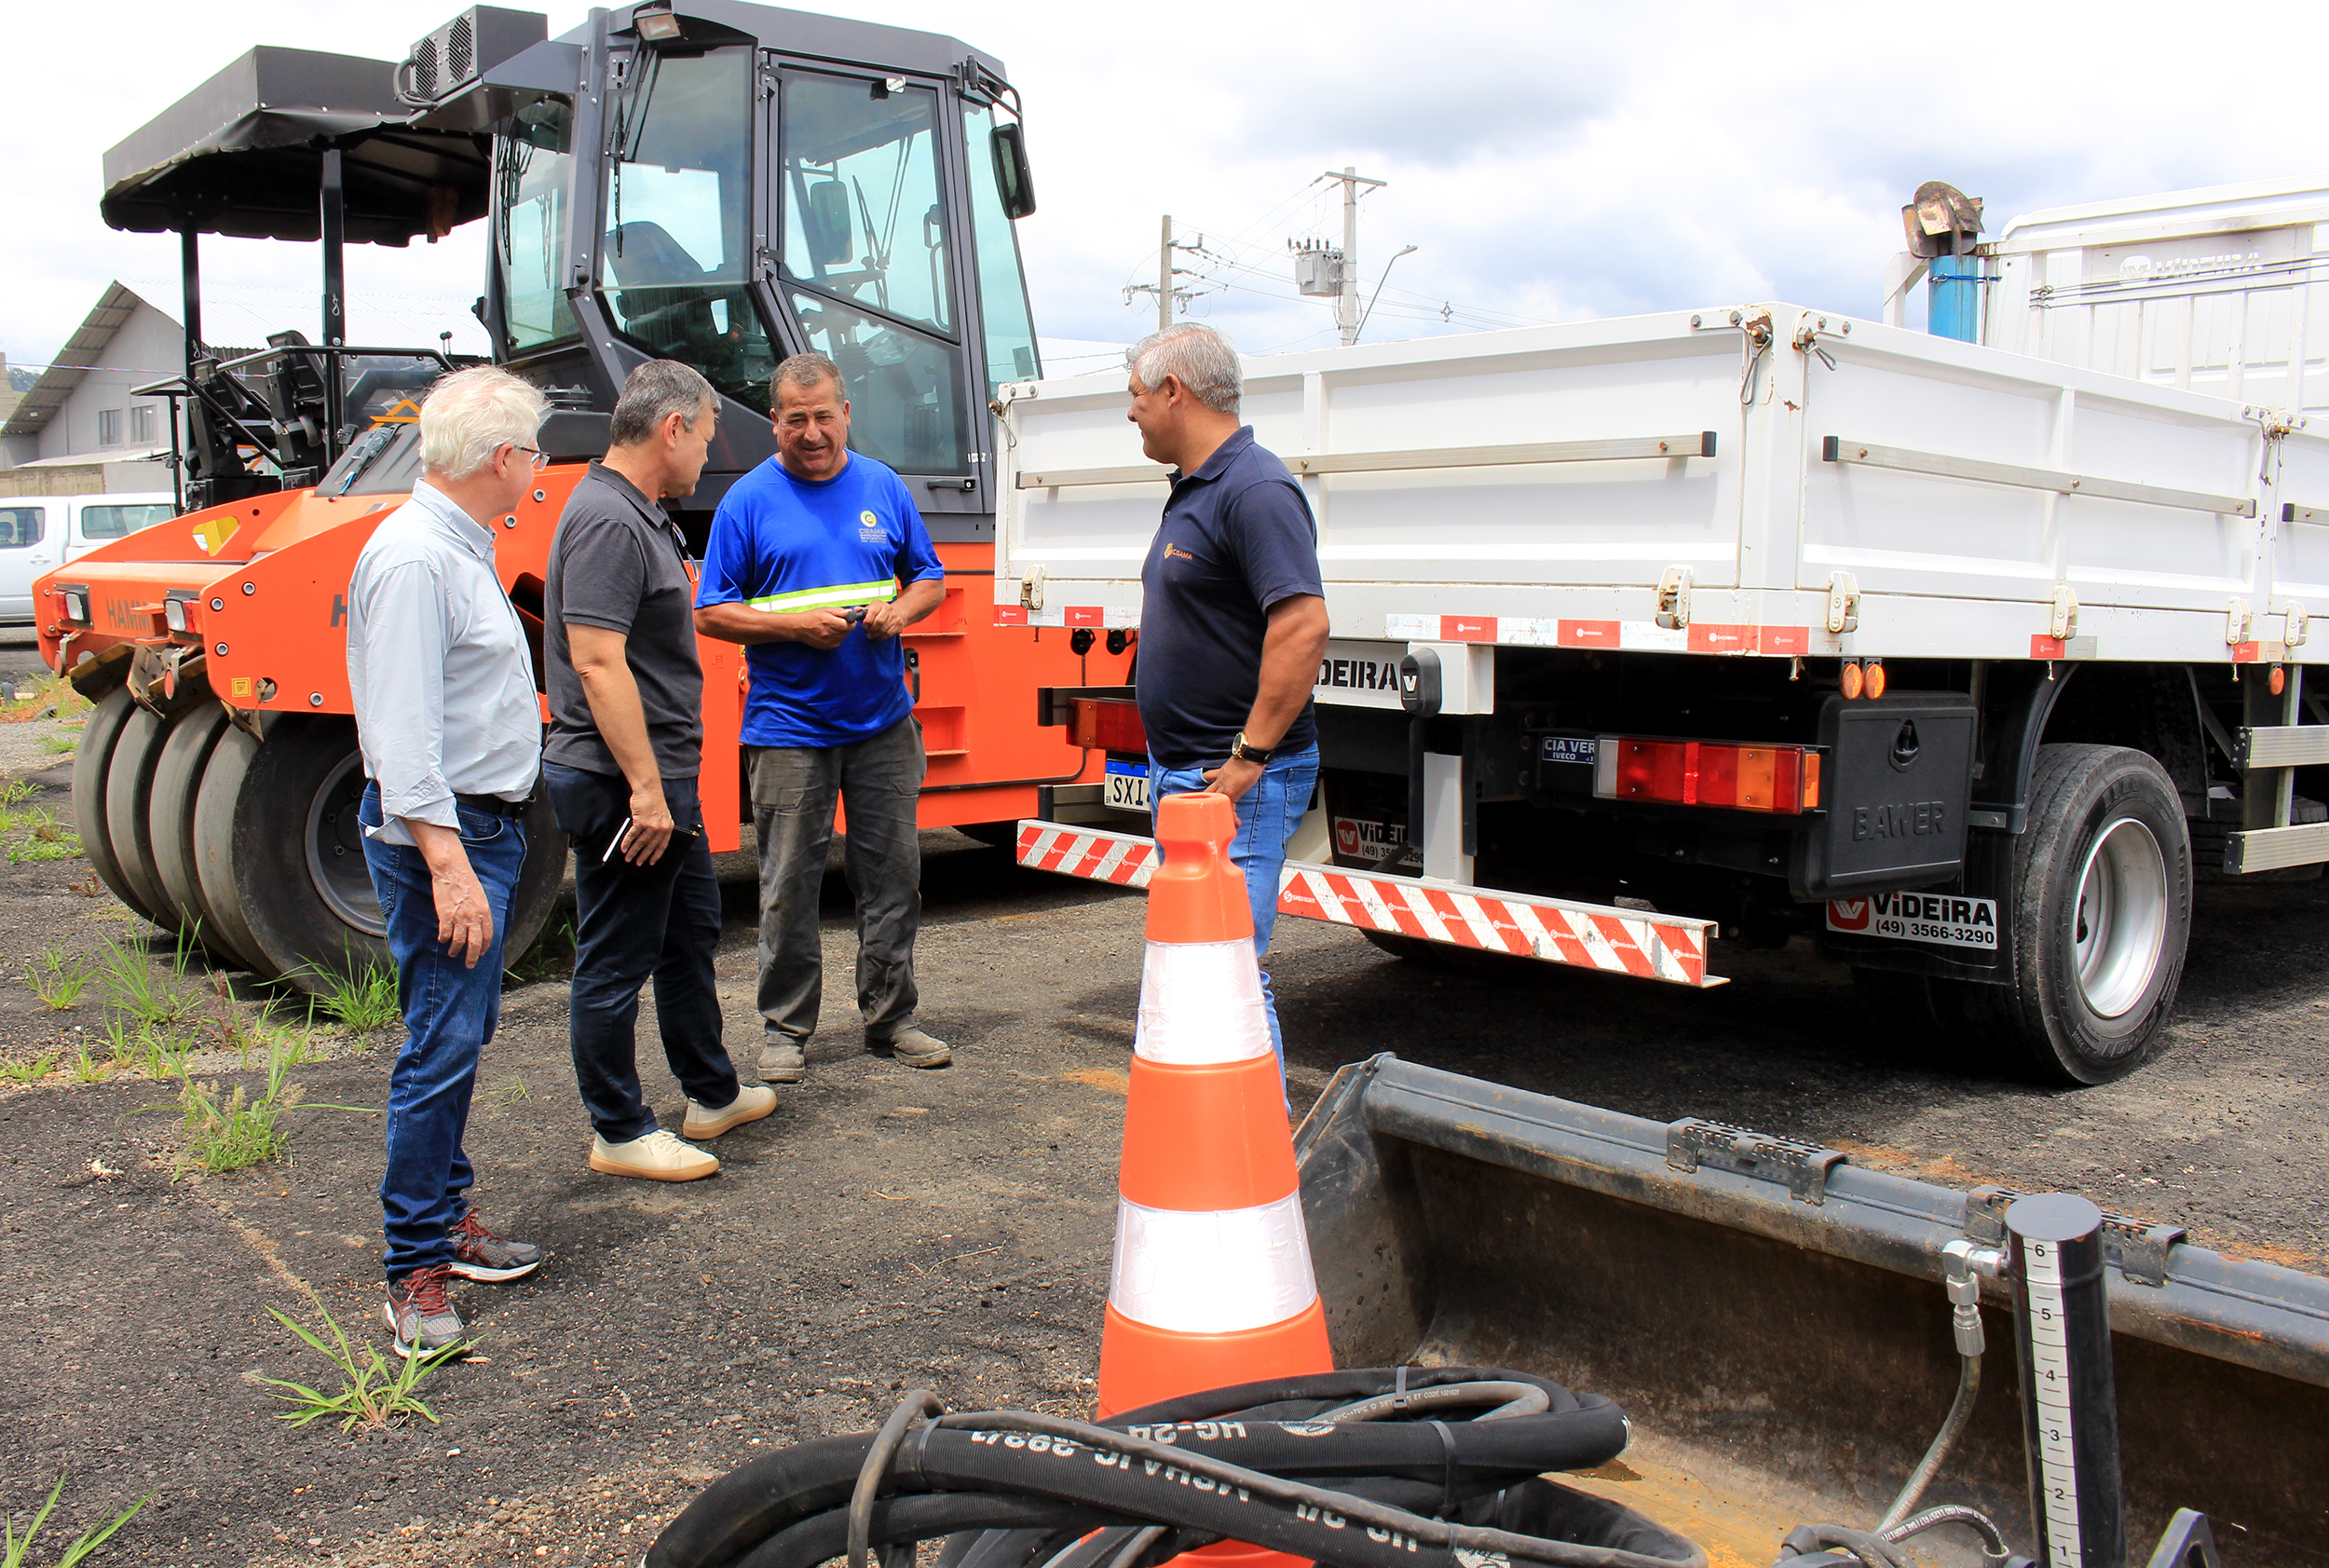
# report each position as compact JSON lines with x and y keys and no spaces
{"x":1548,"y":161}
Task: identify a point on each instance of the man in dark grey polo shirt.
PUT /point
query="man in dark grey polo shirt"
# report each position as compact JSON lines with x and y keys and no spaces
{"x":626,"y":742}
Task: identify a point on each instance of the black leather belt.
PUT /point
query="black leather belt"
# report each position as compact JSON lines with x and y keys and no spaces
{"x":493,"y":805}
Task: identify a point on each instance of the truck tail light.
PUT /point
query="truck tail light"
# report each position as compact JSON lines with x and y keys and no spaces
{"x":1108,"y":724}
{"x":1738,"y":778}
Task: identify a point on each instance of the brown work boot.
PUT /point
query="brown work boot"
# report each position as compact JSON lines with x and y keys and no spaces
{"x":914,"y":1048}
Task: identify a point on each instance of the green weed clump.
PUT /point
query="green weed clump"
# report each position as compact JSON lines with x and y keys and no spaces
{"x":59,"y":977}
{"x":372,"y":1394}
{"x":360,"y":999}
{"x":240,"y":1130}
{"x":132,"y":986}
{"x":16,"y":1551}
{"x":32,"y":833}
{"x":30,"y":1070}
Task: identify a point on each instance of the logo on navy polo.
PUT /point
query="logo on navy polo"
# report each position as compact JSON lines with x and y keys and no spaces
{"x":870,"y":530}
{"x":1171,"y":550}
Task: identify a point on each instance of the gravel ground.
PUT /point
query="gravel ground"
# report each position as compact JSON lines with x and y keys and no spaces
{"x":888,"y":1228}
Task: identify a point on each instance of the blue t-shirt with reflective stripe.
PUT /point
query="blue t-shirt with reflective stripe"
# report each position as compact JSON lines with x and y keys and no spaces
{"x":783,"y":543}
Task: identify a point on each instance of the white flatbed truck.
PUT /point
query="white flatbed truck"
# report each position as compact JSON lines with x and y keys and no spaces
{"x":1743,"y":622}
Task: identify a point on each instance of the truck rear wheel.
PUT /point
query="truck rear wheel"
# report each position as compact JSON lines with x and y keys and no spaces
{"x":92,"y":758}
{"x":2100,"y":910}
{"x":280,"y":854}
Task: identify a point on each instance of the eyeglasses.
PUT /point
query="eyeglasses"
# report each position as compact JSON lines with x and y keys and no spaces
{"x":535,"y":454}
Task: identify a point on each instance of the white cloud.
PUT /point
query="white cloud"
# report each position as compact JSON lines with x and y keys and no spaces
{"x":1549,"y":161}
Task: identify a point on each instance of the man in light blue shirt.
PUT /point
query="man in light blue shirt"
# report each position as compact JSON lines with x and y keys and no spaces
{"x":451,"y":733}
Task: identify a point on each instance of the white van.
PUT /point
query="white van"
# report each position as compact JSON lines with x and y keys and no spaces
{"x":40,"y":533}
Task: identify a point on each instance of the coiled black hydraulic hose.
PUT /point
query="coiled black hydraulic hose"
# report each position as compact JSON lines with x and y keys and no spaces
{"x":1366,"y":1468}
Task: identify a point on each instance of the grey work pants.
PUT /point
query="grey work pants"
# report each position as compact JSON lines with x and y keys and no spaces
{"x":878,"y":781}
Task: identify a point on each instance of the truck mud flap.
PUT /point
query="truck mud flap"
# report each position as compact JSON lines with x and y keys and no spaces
{"x":1638,"y":941}
{"x":1772,"y":1317}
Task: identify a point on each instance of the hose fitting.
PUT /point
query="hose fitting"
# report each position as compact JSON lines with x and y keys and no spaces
{"x":1965,"y":1265}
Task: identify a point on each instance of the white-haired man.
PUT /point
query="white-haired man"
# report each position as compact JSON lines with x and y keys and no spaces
{"x":451,"y":740}
{"x":1232,"y":614}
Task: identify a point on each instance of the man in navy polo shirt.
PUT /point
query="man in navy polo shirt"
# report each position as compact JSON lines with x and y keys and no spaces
{"x":1232,"y":614}
{"x":818,"y":559}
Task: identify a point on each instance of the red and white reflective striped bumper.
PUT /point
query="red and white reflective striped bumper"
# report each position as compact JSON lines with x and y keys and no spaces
{"x":1652,"y":946}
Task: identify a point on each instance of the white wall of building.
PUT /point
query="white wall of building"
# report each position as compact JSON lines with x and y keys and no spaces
{"x":146,"y":348}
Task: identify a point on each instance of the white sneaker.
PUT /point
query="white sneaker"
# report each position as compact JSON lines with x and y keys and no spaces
{"x":752,"y":1102}
{"x":660,"y":1156}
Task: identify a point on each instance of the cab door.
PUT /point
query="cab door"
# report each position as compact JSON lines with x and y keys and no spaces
{"x":29,"y":534}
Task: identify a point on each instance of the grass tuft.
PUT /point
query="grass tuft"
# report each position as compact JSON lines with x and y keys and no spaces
{"x":16,"y":1552}
{"x":59,"y":977}
{"x":224,"y":1135}
{"x":131,"y":984}
{"x":360,"y":1000}
{"x":372,"y":1394}
{"x":30,"y":1070}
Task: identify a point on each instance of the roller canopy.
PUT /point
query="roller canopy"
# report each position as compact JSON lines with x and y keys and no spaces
{"x":242,"y":154}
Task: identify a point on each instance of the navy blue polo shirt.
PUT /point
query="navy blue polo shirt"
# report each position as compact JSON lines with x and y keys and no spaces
{"x":1237,"y":538}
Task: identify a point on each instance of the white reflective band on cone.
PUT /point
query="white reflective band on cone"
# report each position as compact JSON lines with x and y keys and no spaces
{"x":1213,"y":1272}
{"x":1200,"y":1004}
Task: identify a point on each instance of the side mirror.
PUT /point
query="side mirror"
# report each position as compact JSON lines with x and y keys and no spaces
{"x":828,"y":223}
{"x":1012,"y":177}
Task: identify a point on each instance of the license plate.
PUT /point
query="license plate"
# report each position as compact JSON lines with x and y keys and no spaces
{"x":1941,"y":918}
{"x":1126,"y":787}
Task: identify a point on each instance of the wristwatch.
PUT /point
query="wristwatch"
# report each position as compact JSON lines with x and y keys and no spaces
{"x":1240,"y":752}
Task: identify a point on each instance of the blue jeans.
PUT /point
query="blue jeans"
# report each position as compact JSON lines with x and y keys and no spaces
{"x":628,"y":928}
{"x":449,"y":1015}
{"x":1266,"y":818}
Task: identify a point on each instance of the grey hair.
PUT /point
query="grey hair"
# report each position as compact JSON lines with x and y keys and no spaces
{"x":652,"y":393}
{"x":1195,"y":355}
{"x":805,"y":371}
{"x":471,"y":414}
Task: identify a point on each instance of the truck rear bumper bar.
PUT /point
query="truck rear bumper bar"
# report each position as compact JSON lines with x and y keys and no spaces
{"x":1636,"y":942}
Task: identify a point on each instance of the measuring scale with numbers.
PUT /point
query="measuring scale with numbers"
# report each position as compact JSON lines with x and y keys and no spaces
{"x":2069,"y":1407}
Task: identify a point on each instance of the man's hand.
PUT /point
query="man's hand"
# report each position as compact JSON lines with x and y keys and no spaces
{"x":465,"y":922}
{"x":650,"y":824}
{"x":818,"y":628}
{"x":1233,"y":777}
{"x":884,"y":620}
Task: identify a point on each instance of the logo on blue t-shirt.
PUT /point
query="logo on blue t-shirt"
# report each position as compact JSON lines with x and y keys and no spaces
{"x":869,"y":528}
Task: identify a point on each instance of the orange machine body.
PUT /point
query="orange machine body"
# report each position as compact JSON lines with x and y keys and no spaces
{"x":264,"y":583}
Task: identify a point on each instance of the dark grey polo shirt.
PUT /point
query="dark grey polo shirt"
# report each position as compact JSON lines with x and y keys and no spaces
{"x":619,"y":563}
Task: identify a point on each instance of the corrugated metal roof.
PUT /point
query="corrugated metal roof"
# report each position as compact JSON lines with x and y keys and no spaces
{"x":74,"y":361}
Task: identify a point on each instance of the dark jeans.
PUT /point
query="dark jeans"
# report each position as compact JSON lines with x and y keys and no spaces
{"x":449,"y":1015}
{"x":627,"y":930}
{"x":878,"y":781}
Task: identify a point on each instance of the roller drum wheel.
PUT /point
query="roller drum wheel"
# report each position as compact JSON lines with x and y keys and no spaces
{"x":129,"y":791}
{"x":280,"y":853}
{"x":92,"y":757}
{"x":186,"y":754}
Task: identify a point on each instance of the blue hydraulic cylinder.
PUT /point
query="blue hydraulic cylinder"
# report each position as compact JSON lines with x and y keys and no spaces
{"x":1953,"y":298}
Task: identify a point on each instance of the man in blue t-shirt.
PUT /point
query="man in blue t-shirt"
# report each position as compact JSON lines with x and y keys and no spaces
{"x":818,"y":559}
{"x":1232,"y":614}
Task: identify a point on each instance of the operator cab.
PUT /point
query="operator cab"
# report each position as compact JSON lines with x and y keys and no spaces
{"x":717,"y":188}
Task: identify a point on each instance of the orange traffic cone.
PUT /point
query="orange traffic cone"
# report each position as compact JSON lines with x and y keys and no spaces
{"x":1212,"y":1283}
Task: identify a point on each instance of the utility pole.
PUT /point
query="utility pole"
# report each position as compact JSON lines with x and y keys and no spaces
{"x":1346,"y":305}
{"x":1165,"y":275}
{"x":1165,"y":272}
